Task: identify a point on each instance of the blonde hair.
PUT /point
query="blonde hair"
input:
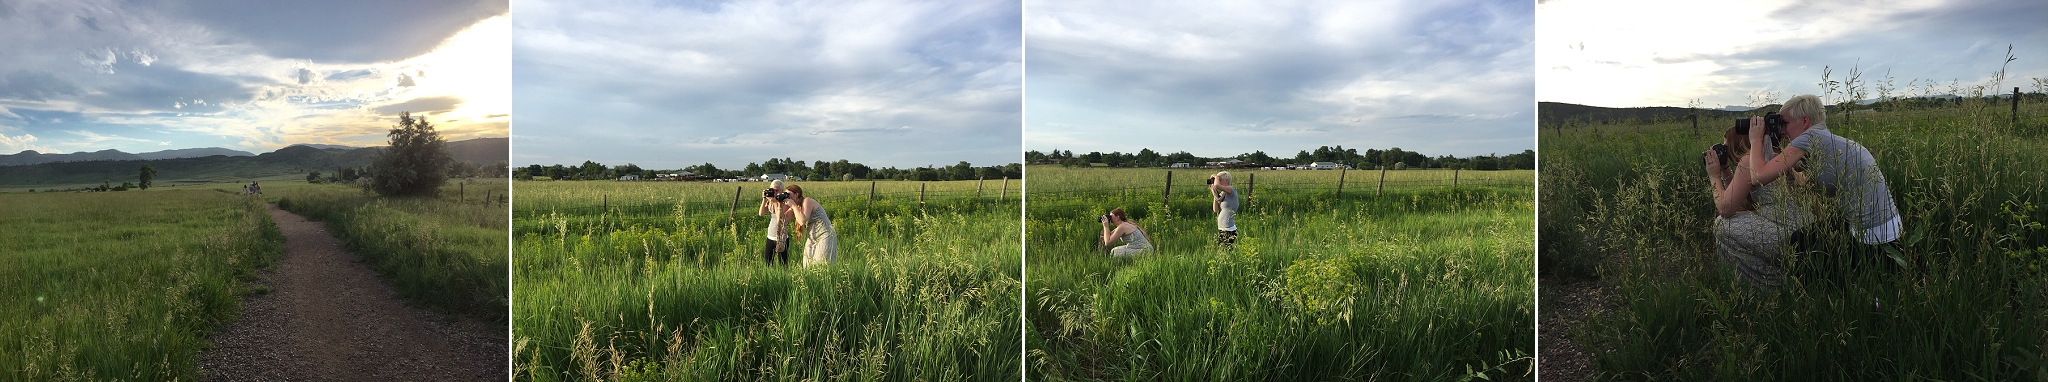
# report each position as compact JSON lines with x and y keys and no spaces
{"x":775,"y":184}
{"x":1805,"y":105}
{"x":1224,"y":175}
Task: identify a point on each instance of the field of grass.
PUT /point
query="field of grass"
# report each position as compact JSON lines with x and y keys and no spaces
{"x":447,"y":252}
{"x":1629,"y":205}
{"x":123,"y":285}
{"x":1422,"y":282}
{"x":652,"y":281}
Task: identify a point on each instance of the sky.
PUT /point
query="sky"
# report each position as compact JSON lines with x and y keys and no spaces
{"x":253,"y":75}
{"x":1230,"y":77}
{"x":1620,"y":53}
{"x":886,"y":83}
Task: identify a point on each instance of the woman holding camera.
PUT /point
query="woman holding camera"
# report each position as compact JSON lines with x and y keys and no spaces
{"x":1223,"y":201}
{"x":777,"y":249}
{"x":1117,"y":226}
{"x":1842,"y":168}
{"x":821,"y":243}
{"x":1755,"y":222}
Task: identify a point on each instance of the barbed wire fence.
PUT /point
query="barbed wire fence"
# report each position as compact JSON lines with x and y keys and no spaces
{"x":1349,"y":185}
{"x":745,"y":196}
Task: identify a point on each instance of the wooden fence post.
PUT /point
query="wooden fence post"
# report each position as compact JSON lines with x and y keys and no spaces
{"x":1383,"y":182}
{"x":871,"y":193}
{"x":604,"y":203}
{"x":2015,"y":108}
{"x":920,"y":194}
{"x":1454,"y":170}
{"x":1340,"y":181}
{"x":462,"y":191}
{"x":1250,"y":180}
{"x":1166,"y":195}
{"x":1005,"y":194}
{"x":1695,"y":125}
{"x":977,"y":187}
{"x":731,"y":214}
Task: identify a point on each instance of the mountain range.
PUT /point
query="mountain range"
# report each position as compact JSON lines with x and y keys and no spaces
{"x":216,"y":164}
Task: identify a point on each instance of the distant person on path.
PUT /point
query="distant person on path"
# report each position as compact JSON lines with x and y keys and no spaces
{"x":821,"y":243}
{"x":1843,"y":168}
{"x":1754,"y":223}
{"x":1117,"y":226}
{"x":776,"y":252}
{"x":1223,"y":202}
{"x":256,"y":188}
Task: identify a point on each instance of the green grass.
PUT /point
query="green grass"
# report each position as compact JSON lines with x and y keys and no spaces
{"x":447,"y":252}
{"x":1629,"y":205}
{"x":918,"y":293}
{"x":1424,"y":282}
{"x":123,"y":285}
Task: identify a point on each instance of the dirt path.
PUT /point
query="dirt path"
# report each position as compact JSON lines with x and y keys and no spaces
{"x":328,"y":317}
{"x":1566,"y":306}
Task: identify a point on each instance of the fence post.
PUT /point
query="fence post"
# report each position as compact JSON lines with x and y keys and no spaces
{"x":1340,"y":181}
{"x":1454,"y":170}
{"x":977,"y":187}
{"x":1383,"y":182}
{"x":462,"y":191}
{"x":1251,"y":181}
{"x":1695,"y":125}
{"x":1005,"y":194}
{"x":2015,"y":108}
{"x":605,"y":202}
{"x":871,"y":193}
{"x":920,"y":194}
{"x":1166,"y":195}
{"x":730,"y":214}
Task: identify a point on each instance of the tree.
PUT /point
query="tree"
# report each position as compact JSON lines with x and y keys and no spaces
{"x":416,"y":163}
{"x":148,"y":174}
{"x":313,"y":177}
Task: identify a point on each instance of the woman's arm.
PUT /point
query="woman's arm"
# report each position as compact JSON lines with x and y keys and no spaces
{"x":1103,"y":240}
{"x":1776,"y":167}
{"x":764,"y":210}
{"x":1736,"y":197}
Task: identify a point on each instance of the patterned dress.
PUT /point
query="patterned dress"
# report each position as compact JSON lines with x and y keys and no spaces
{"x":821,"y":244}
{"x":1755,"y":242}
{"x":1134,"y":244}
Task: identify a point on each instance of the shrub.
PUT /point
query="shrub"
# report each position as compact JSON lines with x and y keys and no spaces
{"x":415,"y":164}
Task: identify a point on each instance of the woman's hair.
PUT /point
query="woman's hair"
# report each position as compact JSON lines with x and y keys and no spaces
{"x":1738,"y":147}
{"x":1805,"y":105}
{"x":1119,"y":214}
{"x":775,"y":184}
{"x":796,"y":190}
{"x":1224,"y":175}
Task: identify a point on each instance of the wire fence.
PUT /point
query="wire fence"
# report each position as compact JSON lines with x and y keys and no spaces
{"x":1351,"y":185}
{"x":746,"y":197}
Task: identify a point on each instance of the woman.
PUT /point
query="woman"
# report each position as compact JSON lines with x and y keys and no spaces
{"x":1223,"y":201}
{"x":821,"y":243}
{"x":1754,"y":222}
{"x":1116,"y":226}
{"x":777,"y":247}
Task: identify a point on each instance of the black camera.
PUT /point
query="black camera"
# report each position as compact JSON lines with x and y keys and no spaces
{"x":1721,"y":152}
{"x":778,"y":195}
{"x":1774,"y":125}
{"x":1211,"y":180}
{"x":1102,"y":219}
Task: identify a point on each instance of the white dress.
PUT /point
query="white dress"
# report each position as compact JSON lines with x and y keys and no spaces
{"x":821,"y":243}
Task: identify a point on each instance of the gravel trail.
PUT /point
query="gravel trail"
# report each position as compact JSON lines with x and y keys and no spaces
{"x":329,"y":317}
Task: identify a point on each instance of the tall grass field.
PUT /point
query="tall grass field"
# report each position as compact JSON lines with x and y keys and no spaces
{"x":663,"y":281}
{"x":446,"y":252}
{"x":123,"y":285}
{"x":1419,"y":280}
{"x":1628,"y":204}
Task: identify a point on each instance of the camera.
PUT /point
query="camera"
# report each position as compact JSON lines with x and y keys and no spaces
{"x":1774,"y":125}
{"x":1102,"y":219}
{"x":1211,"y":180}
{"x":775,"y":194}
{"x":1721,"y":152}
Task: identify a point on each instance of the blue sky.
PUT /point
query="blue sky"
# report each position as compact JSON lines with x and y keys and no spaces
{"x":256,"y":76}
{"x":1220,"y":78}
{"x":1619,"y":53}
{"x":674,"y":84}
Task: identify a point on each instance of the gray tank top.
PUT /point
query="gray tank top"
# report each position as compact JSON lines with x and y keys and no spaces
{"x":1136,"y":238}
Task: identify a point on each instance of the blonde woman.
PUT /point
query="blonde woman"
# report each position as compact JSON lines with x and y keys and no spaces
{"x":1223,"y":201}
{"x":1754,"y":223}
{"x":776,"y":251}
{"x":821,"y":243}
{"x":1842,"y":167}
{"x":1117,"y":226}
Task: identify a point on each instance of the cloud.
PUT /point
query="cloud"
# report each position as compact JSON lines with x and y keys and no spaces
{"x":423,"y":105}
{"x":338,"y":31}
{"x":19,"y":143}
{"x":732,"y":82}
{"x":1222,"y":78}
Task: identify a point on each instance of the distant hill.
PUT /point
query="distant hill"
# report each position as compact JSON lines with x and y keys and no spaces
{"x":30,"y":157}
{"x":291,"y":160}
{"x":321,"y":146}
{"x":1551,"y":114}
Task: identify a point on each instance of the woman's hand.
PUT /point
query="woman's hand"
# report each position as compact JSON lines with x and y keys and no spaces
{"x":1756,"y":132}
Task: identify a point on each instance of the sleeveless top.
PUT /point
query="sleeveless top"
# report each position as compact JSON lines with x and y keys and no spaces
{"x":1136,"y":238}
